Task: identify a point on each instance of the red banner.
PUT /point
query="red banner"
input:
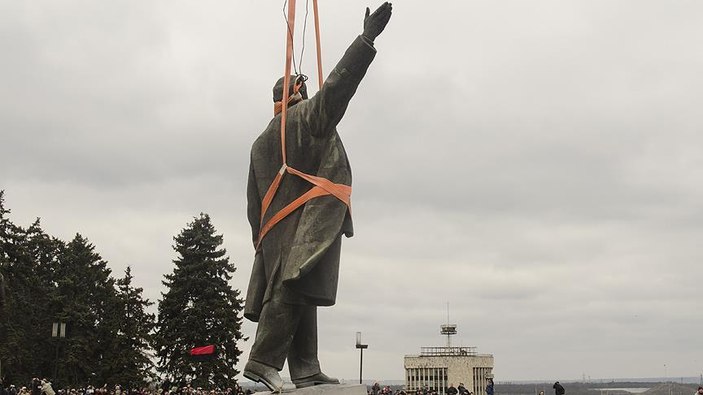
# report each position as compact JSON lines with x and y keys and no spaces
{"x":203,"y":351}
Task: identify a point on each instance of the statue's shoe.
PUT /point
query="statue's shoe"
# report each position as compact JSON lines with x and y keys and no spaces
{"x":267,"y":375}
{"x":315,"y":379}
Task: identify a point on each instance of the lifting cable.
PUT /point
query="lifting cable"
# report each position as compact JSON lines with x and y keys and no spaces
{"x":322,"y":186}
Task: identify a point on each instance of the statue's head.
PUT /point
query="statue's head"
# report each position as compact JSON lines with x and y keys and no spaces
{"x":296,"y":86}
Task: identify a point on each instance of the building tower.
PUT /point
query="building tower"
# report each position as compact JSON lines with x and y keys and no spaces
{"x":449,"y":330}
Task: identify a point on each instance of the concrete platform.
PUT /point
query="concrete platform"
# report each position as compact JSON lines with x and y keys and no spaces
{"x":325,"y":389}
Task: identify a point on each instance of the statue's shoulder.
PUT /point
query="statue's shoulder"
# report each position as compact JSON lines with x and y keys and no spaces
{"x":271,"y":130}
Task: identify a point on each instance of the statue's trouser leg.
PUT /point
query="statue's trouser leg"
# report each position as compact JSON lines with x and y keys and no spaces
{"x":274,"y":334}
{"x":287,"y":331}
{"x":302,"y":356}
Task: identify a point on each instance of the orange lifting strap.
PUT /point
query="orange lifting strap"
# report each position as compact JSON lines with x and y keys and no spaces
{"x":322,"y":186}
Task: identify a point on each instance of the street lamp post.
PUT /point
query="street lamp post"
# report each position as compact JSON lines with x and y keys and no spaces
{"x":58,"y":331}
{"x":665,"y":374}
{"x":361,"y":348}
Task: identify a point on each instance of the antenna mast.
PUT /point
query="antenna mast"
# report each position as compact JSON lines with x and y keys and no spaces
{"x":448,"y":329}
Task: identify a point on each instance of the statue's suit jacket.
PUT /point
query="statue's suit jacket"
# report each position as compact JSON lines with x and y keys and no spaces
{"x":299,"y":257}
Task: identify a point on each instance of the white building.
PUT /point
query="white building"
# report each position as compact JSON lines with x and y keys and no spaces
{"x":438,"y":367}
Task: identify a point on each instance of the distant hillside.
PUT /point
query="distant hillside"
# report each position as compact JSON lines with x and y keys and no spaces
{"x":672,"y":389}
{"x":611,"y":388}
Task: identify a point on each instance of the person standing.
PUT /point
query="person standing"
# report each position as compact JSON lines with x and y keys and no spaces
{"x":558,"y":389}
{"x":489,"y":387}
{"x":46,"y":387}
{"x":451,"y":390}
{"x":36,"y":386}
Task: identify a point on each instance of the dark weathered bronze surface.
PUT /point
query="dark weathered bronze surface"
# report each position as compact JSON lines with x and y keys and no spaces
{"x":296,"y":269}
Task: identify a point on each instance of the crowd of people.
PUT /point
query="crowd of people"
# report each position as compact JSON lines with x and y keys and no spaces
{"x":386,"y":390}
{"x":45,"y":387}
{"x":36,"y":387}
{"x":376,"y":389}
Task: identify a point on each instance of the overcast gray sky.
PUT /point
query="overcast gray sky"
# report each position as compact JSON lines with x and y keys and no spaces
{"x":538,"y":165}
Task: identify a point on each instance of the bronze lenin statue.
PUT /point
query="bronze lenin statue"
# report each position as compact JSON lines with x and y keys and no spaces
{"x":296,"y":265}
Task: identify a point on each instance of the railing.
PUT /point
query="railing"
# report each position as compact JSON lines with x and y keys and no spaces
{"x":447,"y":351}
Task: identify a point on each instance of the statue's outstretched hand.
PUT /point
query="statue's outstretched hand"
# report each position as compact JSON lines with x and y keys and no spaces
{"x":376,"y":22}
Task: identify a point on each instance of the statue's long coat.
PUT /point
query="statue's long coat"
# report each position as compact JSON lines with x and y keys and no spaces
{"x":300,"y":255}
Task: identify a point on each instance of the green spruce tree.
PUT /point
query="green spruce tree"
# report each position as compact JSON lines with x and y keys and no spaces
{"x":7,"y":229}
{"x":199,"y":308}
{"x":4,"y":229}
{"x":86,"y":300}
{"x":130,"y":364}
{"x":27,"y":258}
{"x":47,"y":280}
{"x":41,"y":252}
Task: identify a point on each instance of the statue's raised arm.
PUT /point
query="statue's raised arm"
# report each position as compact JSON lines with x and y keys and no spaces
{"x":325,"y":109}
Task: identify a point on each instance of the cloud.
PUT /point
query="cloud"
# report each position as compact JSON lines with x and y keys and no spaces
{"x":536,"y":165}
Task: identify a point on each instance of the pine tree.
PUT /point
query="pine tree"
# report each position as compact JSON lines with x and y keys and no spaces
{"x":26,"y":259}
{"x":47,"y":280}
{"x":130,"y":364}
{"x":41,"y":260}
{"x":4,"y":256}
{"x":87,"y":301}
{"x":199,"y":308}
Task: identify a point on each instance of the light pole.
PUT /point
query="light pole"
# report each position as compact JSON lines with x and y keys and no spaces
{"x":665,"y":374}
{"x":58,"y":331}
{"x":361,"y":348}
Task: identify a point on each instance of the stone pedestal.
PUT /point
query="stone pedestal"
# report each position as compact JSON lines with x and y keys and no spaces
{"x":325,"y":389}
